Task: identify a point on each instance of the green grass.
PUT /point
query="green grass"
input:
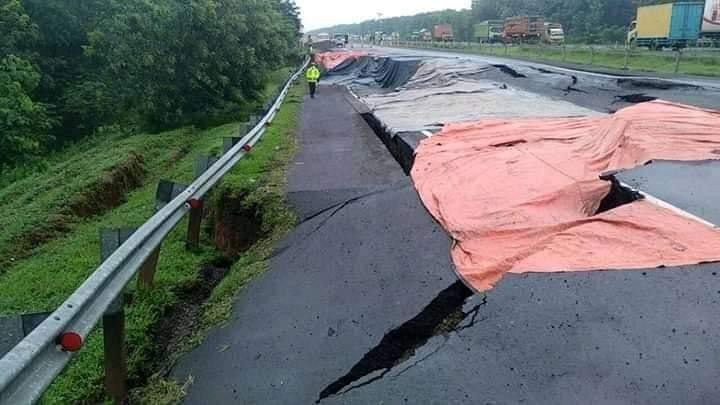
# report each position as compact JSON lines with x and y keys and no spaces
{"x":692,"y":62}
{"x":56,"y":268}
{"x":277,"y":218}
{"x":262,"y":183}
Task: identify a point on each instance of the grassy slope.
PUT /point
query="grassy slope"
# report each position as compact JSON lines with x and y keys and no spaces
{"x":277,"y":219}
{"x":56,"y":268}
{"x":263,"y":181}
{"x":705,"y":64}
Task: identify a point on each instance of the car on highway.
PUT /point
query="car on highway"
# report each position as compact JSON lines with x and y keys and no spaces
{"x":341,"y":40}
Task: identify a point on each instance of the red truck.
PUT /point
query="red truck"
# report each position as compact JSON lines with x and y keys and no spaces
{"x":443,"y":32}
{"x":524,"y":29}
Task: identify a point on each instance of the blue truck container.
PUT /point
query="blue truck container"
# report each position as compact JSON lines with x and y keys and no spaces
{"x":667,"y":25}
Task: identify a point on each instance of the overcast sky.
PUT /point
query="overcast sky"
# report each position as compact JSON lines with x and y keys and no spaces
{"x":324,"y":13}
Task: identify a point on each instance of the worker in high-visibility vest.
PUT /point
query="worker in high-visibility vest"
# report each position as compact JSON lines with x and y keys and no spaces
{"x":313,"y":77}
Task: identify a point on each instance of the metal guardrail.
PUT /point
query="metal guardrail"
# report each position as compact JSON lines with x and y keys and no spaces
{"x":32,"y":365}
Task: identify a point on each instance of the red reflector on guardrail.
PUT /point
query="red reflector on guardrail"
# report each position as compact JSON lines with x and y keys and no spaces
{"x":194,"y":203}
{"x":247,"y":148}
{"x":70,"y":342}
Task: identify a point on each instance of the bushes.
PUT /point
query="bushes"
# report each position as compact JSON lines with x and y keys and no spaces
{"x":82,"y":65}
{"x":23,"y":122}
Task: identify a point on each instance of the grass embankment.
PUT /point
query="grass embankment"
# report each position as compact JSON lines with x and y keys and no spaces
{"x":704,"y":63}
{"x":60,"y":205}
{"x":260,"y":183}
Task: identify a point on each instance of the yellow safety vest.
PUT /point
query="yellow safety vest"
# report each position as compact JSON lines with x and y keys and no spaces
{"x":312,"y":74}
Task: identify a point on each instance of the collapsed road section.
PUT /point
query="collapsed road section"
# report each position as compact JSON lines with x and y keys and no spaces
{"x":361,"y":304}
{"x":430,"y":89}
{"x":525,"y":194}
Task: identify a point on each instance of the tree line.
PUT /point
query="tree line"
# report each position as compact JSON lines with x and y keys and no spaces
{"x":585,"y":21}
{"x":69,"y":68}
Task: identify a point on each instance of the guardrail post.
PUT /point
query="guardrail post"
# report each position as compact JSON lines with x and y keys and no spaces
{"x":627,"y":58}
{"x":15,"y":327}
{"x":115,"y":353}
{"x":192,"y":241}
{"x":506,"y":49}
{"x":114,"y":324}
{"x":203,"y":163}
{"x":146,"y":274}
{"x":592,"y":55}
{"x":167,"y":190}
{"x":229,"y":142}
{"x":563,"y":53}
{"x":678,"y":56}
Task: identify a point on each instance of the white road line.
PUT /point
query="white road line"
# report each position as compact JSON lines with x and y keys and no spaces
{"x":664,"y":204}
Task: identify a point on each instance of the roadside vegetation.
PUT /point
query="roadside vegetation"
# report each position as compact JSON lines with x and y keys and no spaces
{"x":101,"y":99}
{"x":256,"y":187}
{"x":71,"y":69}
{"x":705,"y":63}
{"x":584,"y":21}
{"x":41,"y":280}
{"x":692,"y":62}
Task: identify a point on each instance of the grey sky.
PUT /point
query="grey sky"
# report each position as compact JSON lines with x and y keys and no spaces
{"x":324,"y":13}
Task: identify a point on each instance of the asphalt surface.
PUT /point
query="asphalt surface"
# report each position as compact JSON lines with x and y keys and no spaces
{"x":564,"y":67}
{"x":616,"y":337}
{"x":690,"y":186}
{"x":341,"y":280}
{"x":594,"y":90}
{"x":361,"y":306}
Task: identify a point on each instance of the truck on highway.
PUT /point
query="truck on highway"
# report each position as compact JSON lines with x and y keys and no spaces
{"x":710,"y":28}
{"x":672,"y":25}
{"x":489,"y":31}
{"x":443,"y":33}
{"x":341,"y":40}
{"x":553,"y":34}
{"x":524,"y":29}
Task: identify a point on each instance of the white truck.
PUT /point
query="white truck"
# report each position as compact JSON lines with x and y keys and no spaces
{"x":554,"y":34}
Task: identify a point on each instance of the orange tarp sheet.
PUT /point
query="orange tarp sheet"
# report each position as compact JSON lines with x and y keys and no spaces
{"x":521,"y":195}
{"x":330,"y":60}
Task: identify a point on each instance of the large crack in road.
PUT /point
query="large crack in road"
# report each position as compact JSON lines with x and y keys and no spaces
{"x":444,"y":314}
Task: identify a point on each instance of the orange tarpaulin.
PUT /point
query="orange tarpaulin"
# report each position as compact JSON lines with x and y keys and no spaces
{"x":330,"y":60}
{"x":521,"y":195}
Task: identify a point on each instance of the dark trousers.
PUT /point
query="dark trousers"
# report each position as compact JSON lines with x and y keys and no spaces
{"x":313,"y":88}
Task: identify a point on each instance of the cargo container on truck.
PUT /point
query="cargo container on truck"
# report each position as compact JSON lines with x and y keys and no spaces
{"x":667,"y":25}
{"x":554,"y":34}
{"x":524,"y":29}
{"x":443,"y":32}
{"x":711,"y":20}
{"x":489,"y":31}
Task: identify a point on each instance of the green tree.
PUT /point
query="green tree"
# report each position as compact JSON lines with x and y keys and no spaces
{"x":18,"y":33}
{"x":23,"y":122}
{"x":159,"y":63}
{"x":189,"y":61}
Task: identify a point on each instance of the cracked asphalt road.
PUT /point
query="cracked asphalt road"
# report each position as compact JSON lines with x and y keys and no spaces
{"x":367,"y":260}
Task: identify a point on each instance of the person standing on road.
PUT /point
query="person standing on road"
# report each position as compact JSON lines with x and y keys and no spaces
{"x":313,"y":77}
